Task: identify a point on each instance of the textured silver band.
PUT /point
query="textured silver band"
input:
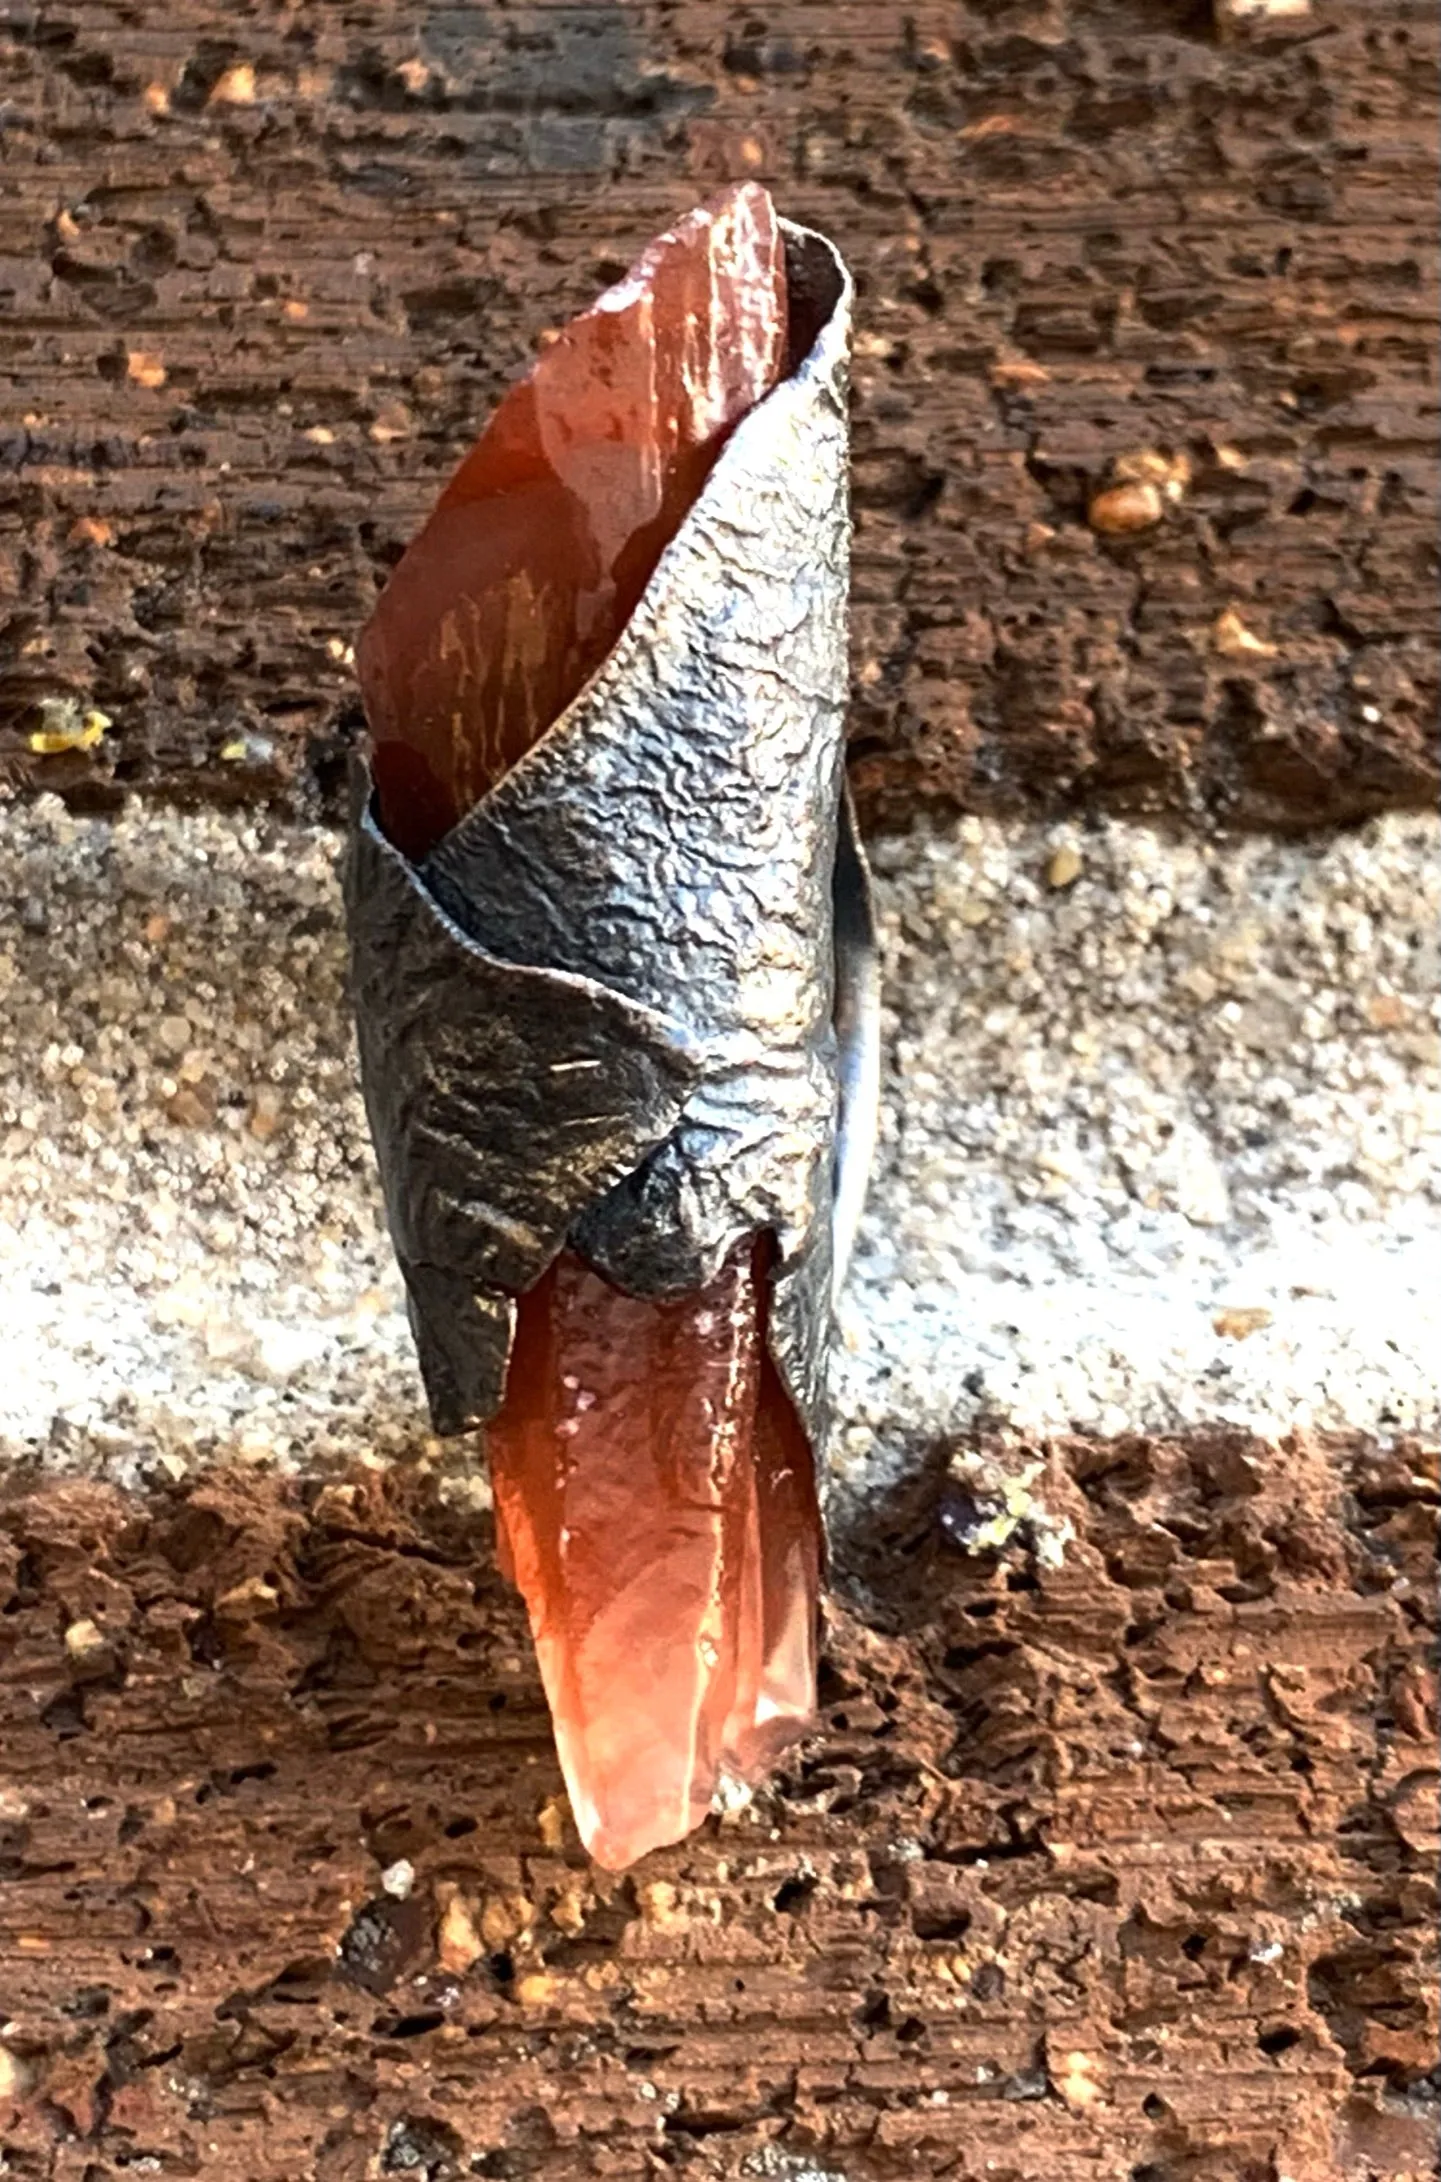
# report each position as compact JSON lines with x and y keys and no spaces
{"x":629,"y":1001}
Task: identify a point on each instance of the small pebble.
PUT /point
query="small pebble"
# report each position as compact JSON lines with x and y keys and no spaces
{"x":1234,"y":640}
{"x":1238,"y":1324}
{"x":189,"y":1108}
{"x":236,"y":87}
{"x":458,"y":1945}
{"x":1121,"y":510}
{"x":266,"y":1110}
{"x":83,"y":1638}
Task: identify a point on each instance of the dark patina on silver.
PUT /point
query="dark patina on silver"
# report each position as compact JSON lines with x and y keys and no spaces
{"x":629,"y":1002}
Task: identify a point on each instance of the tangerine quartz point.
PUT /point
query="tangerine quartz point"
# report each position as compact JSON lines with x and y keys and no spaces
{"x":547,"y":534}
{"x":655,"y":1492}
{"x":654,"y":1488}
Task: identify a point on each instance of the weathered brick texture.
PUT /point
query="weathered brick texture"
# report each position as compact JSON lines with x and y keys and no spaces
{"x":264,"y":269}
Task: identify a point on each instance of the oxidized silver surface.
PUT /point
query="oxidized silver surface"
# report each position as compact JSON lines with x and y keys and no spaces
{"x":629,"y":1001}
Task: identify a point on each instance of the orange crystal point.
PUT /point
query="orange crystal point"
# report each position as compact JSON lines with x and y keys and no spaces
{"x":654,"y":1489}
{"x":545,"y":537}
{"x":620,"y":1462}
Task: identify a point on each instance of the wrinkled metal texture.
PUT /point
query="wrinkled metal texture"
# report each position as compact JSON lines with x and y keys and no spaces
{"x":619,"y":971}
{"x":502,"y":1100}
{"x":857,"y":1019}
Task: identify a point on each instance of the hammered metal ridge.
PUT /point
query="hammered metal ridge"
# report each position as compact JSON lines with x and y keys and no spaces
{"x":671,"y":842}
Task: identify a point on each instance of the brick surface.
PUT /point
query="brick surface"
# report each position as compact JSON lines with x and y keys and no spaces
{"x":1155,"y":263}
{"x":1118,"y":1871}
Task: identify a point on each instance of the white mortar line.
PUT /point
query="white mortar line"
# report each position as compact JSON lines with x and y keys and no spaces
{"x":1189,"y":1082}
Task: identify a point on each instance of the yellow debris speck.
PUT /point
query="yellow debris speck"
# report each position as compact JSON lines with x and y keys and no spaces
{"x":550,"y":1821}
{"x":568,"y":1909}
{"x":458,"y":1944}
{"x":253,"y":1596}
{"x":82,"y":1638}
{"x":978,"y":132}
{"x":90,"y":530}
{"x":504,"y":1918}
{"x":394,"y":422}
{"x":145,"y":368}
{"x":1121,"y":510}
{"x":1019,"y":371}
{"x":266,"y":1112}
{"x":1237,"y":1322}
{"x":1080,"y":2079}
{"x":1170,"y":474}
{"x":236,"y":87}
{"x":1231,"y":636}
{"x":67,"y":727}
{"x":658,"y":1903}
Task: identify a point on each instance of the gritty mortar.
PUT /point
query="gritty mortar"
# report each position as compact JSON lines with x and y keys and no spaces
{"x":1161,"y":1137}
{"x":1161,"y":1146}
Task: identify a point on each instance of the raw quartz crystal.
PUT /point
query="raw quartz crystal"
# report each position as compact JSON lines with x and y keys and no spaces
{"x":654,"y":1489}
{"x":654,"y":1498}
{"x":542,"y":542}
